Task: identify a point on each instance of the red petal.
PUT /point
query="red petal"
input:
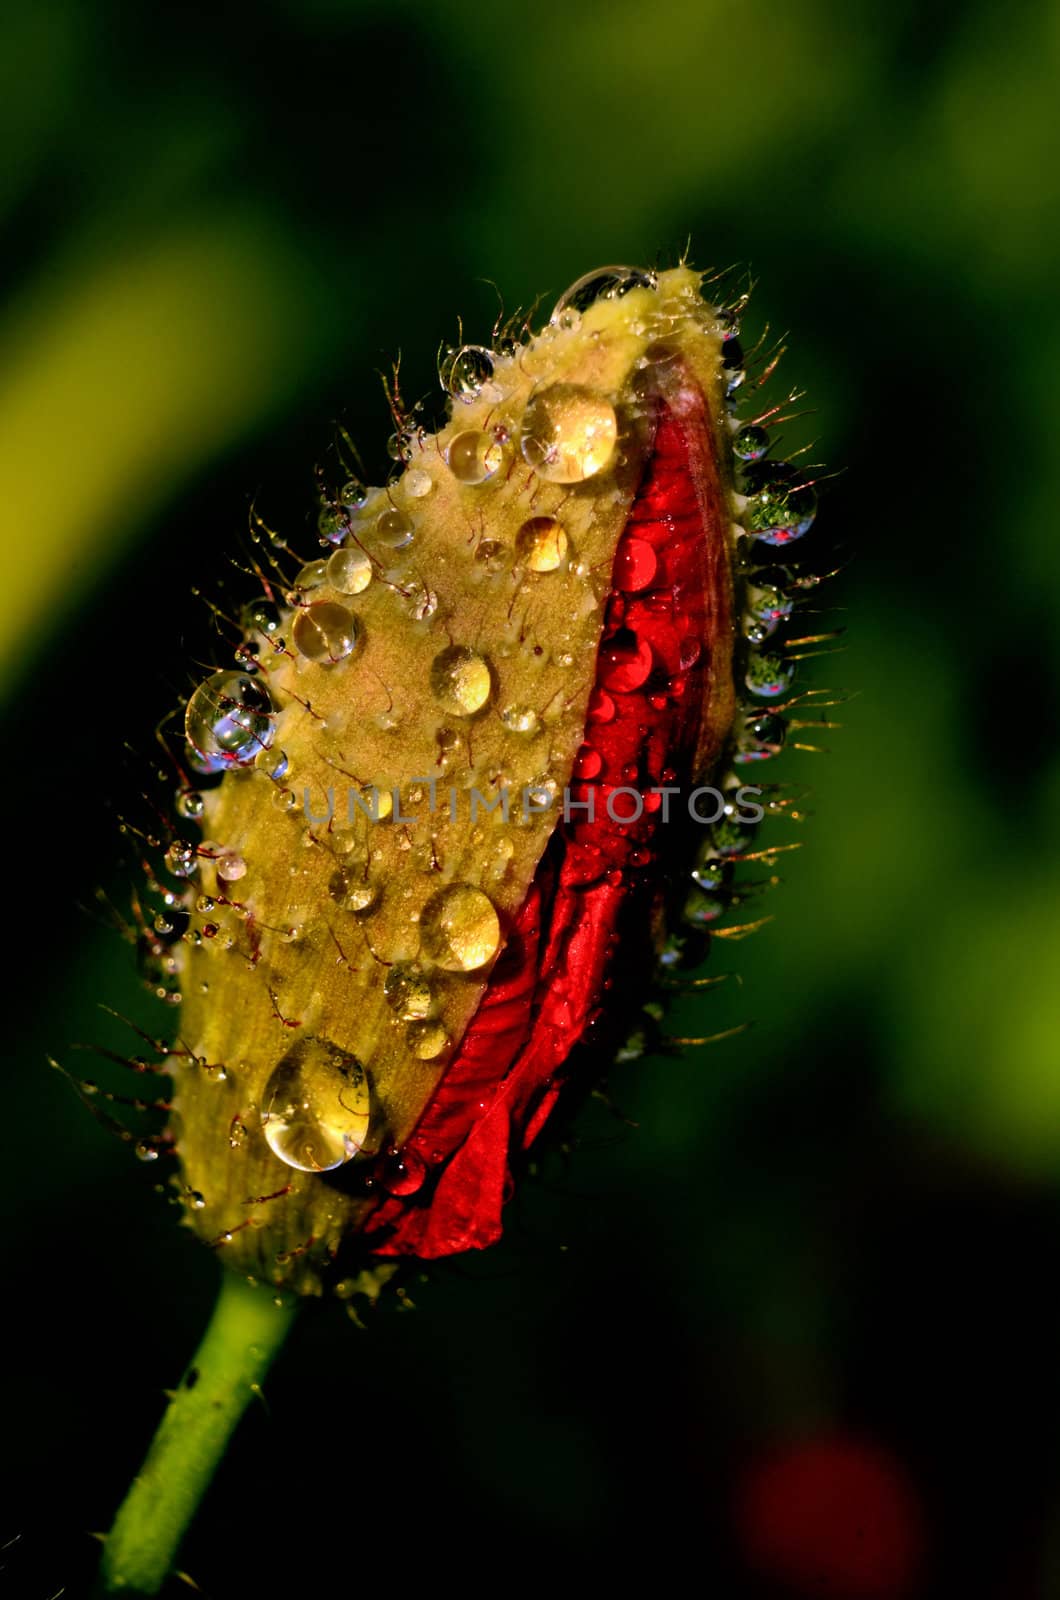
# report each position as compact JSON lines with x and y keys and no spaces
{"x":668,"y":612}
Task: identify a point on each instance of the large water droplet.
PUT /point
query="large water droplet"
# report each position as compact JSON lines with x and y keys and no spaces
{"x":750,"y":443}
{"x":762,"y":738}
{"x":701,"y":909}
{"x":394,"y":530}
{"x":588,"y":763}
{"x":230,"y":866}
{"x":350,"y":570}
{"x":417,"y":483}
{"x":460,"y":929}
{"x":408,"y":992}
{"x":732,"y":365}
{"x":404,"y":1173}
{"x":474,"y":457}
{"x":711,"y":873}
{"x":426,"y":1040}
{"x":228,"y":721}
{"x":461,"y":680}
{"x":332,"y":525}
{"x":261,"y":616}
{"x":779,"y":508}
{"x":768,"y":676}
{"x":625,"y":662}
{"x":312,"y":575}
{"x":569,"y":433}
{"x":635,"y":565}
{"x":316,"y":1107}
{"x":541,"y":544}
{"x":467,"y":371}
{"x":767,"y":606}
{"x":326,"y":632}
{"x":604,"y":283}
{"x":492,"y":555}
{"x":601,"y":707}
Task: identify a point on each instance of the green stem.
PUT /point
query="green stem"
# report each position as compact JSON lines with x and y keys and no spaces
{"x":245,"y":1332}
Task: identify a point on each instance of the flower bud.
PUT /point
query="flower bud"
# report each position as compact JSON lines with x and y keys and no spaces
{"x":469,"y":762}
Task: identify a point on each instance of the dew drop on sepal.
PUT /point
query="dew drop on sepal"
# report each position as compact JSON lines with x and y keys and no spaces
{"x":603,"y":283}
{"x":569,"y":433}
{"x":316,"y":1107}
{"x":460,"y":929}
{"x":228,"y":721}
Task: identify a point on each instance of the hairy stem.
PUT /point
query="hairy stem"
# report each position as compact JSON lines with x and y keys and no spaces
{"x":245,"y":1333}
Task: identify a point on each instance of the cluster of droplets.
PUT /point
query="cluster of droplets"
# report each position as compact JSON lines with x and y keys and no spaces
{"x":776,"y":508}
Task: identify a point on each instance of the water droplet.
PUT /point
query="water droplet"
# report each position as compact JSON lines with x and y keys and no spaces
{"x":261,"y":616}
{"x":403,"y":1173}
{"x":190,"y":804}
{"x":467,"y":371}
{"x":350,"y":570}
{"x":312,"y":575}
{"x":588,"y":763}
{"x":625,"y":662}
{"x":521,"y":719}
{"x":779,"y":509}
{"x":394,"y":530}
{"x":408,"y":992}
{"x":417,"y":483}
{"x":460,"y":929}
{"x":361,"y":898}
{"x":422,"y":603}
{"x":768,"y":676}
{"x":237,"y":1134}
{"x":605,"y":283}
{"x":146,"y":1151}
{"x":492,"y":554}
{"x":635,"y":565}
{"x":701,"y":909}
{"x":461,"y":680}
{"x":762,"y":738}
{"x":332,"y":525}
{"x":732,"y":364}
{"x":171,"y":924}
{"x":729,"y":835}
{"x":601,"y":707}
{"x":474,"y":457}
{"x":326,"y":632}
{"x":727,"y":320}
{"x":426,"y":1040}
{"x":767,"y":606}
{"x":228,"y":721}
{"x":750,"y":443}
{"x":273,"y":763}
{"x":231,"y":866}
{"x":711,"y":873}
{"x":569,"y":433}
{"x":316,"y":1107}
{"x":353,"y":494}
{"x":541,"y":544}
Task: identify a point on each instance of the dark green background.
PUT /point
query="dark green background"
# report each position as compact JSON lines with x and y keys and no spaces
{"x":218,"y":225}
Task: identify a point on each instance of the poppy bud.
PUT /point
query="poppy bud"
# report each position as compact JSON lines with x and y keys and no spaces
{"x":478,"y":775}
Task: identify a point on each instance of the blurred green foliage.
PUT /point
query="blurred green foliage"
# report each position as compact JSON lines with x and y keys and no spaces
{"x":219,"y":224}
